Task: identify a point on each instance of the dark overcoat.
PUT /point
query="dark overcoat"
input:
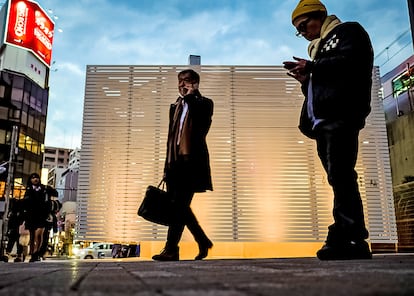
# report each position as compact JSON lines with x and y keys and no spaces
{"x":200,"y":112}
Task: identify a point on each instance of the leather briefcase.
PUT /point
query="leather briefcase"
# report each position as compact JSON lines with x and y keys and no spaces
{"x":157,"y":206}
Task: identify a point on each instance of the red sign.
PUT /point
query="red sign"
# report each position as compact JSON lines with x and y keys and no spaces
{"x":31,"y":28}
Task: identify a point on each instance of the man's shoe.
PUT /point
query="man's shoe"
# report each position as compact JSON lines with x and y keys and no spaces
{"x":203,"y":250}
{"x":35,"y":257}
{"x":6,"y":257}
{"x":349,"y":251}
{"x":360,"y":250}
{"x":167,"y":255}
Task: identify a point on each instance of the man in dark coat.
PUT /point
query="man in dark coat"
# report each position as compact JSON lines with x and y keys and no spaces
{"x":187,"y":165}
{"x":337,"y":87}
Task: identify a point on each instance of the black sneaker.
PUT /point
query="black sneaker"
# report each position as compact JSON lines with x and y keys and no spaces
{"x":350,"y":251}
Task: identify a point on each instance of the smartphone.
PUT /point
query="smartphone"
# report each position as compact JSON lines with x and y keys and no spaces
{"x":289,"y":65}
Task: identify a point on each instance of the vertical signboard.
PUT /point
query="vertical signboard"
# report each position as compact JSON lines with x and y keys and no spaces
{"x":29,"y":27}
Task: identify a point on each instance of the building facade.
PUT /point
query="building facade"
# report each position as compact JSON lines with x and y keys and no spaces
{"x":56,"y":157}
{"x":69,"y":180}
{"x":24,"y":90}
{"x":399,"y":106}
{"x":23,"y":103}
{"x":271,"y":196}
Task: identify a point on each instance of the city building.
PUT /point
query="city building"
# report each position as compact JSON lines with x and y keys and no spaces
{"x":54,"y":176}
{"x":399,"y":113}
{"x":271,"y":196}
{"x":62,"y":166}
{"x":398,"y":104}
{"x":24,"y":90}
{"x":56,"y":157}
{"x":55,"y":164}
{"x":74,"y":158}
{"x":69,"y":179}
{"x":67,"y":188}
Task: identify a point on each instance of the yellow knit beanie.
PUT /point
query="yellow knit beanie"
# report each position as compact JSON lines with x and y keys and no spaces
{"x":307,"y":6}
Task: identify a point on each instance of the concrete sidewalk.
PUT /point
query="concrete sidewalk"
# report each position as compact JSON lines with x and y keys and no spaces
{"x":391,"y":274}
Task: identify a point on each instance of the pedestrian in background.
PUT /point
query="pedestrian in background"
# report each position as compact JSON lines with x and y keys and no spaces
{"x":15,"y":221}
{"x":187,"y":165}
{"x":37,"y":210}
{"x":336,"y":82}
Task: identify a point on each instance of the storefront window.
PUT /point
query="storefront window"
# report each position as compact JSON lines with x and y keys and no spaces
{"x":2,"y":91}
{"x":22,"y":141}
{"x":29,"y":144}
{"x":17,"y":94}
{"x":3,"y":112}
{"x":26,"y":97}
{"x":18,"y":81}
{"x":24,"y":118}
{"x":31,"y":121}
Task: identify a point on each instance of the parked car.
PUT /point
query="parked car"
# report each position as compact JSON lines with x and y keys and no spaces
{"x":125,"y":251}
{"x":96,"y":251}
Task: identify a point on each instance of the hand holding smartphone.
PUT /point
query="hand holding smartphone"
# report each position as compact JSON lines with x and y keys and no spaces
{"x":296,"y":68}
{"x":289,"y":65}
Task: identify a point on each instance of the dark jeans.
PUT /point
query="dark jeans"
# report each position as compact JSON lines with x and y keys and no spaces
{"x":338,"y":150}
{"x":179,"y":186}
{"x":13,"y":238}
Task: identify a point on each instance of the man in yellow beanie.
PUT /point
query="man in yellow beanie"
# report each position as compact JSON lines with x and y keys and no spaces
{"x":336,"y":83}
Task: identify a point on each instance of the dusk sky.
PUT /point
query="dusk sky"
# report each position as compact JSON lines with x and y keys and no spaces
{"x":222,"y":32}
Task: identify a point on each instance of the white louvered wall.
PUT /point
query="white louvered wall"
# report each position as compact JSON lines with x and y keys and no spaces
{"x":268,"y":183}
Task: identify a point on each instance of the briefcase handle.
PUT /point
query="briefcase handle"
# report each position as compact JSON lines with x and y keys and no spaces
{"x":161,"y":185}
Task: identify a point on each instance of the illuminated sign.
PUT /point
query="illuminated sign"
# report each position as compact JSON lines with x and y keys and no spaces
{"x":31,"y":28}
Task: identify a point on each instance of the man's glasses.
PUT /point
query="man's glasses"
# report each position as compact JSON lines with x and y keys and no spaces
{"x":301,"y":28}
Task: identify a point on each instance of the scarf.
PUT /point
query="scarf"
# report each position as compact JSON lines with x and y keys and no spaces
{"x":179,"y":140}
{"x":328,"y":25}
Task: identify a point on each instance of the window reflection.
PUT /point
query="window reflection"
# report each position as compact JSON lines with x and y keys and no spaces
{"x":29,"y":144}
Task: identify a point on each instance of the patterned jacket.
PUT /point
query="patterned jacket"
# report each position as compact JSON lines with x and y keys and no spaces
{"x":341,"y":79}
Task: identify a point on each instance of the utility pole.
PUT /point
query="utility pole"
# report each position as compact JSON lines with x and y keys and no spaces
{"x":10,"y":180}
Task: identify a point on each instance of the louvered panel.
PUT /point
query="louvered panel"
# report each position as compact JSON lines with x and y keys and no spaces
{"x":269,"y":185}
